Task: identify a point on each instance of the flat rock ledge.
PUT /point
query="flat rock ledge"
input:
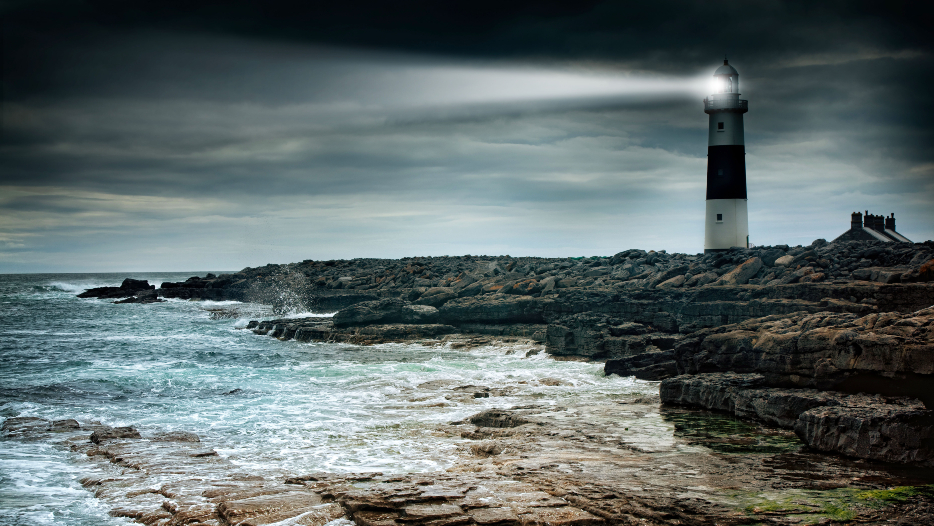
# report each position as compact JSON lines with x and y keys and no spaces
{"x":891,"y":353}
{"x":462,"y":336}
{"x":890,"y":429}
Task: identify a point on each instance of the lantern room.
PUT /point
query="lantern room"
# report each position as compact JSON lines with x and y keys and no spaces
{"x":726,"y":79}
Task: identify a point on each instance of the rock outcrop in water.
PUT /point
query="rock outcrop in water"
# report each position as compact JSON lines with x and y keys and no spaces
{"x":129,"y":288}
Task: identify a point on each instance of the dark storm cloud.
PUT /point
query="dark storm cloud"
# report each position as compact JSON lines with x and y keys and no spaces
{"x":673,"y":33}
{"x":372,"y":128}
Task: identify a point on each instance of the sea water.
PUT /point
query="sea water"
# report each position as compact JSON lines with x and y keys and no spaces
{"x":270,"y":407}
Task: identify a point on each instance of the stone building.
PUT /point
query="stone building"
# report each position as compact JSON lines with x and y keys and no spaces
{"x":871,"y":227}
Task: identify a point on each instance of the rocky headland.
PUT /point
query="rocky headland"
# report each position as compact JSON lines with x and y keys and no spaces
{"x":832,"y":343}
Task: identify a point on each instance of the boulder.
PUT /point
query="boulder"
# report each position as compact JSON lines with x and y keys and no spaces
{"x":666,"y":275}
{"x":548,"y":284}
{"x":470,"y":290}
{"x":136,"y":284}
{"x":656,"y":365}
{"x":463,"y":282}
{"x":672,"y":283}
{"x":741,"y":274}
{"x":784,"y":261}
{"x":813,"y":277}
{"x":596,"y":272}
{"x":419,"y":314}
{"x":795,"y":277}
{"x":500,"y":418}
{"x":769,"y":257}
{"x":699,"y":280}
{"x":114,"y":433}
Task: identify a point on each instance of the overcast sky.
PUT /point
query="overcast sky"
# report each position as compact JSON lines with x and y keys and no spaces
{"x":217,"y":135}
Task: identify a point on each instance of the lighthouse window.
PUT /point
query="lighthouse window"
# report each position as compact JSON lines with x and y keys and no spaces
{"x":719,"y":218}
{"x":719,"y":125}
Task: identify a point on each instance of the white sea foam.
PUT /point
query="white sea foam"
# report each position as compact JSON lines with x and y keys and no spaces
{"x":76,"y":288}
{"x":311,"y":314}
{"x":224,"y":303}
{"x":38,"y":485}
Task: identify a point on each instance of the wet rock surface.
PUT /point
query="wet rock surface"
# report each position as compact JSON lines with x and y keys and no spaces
{"x":885,"y":353}
{"x":627,"y":462}
{"x":129,"y":288}
{"x":144,"y":296}
{"x":836,"y":355}
{"x":891,"y":429}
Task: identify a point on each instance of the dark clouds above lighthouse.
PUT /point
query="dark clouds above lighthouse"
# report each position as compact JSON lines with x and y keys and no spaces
{"x":204,"y":135}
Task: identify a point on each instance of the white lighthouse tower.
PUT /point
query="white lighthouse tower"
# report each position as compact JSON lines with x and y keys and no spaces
{"x":727,"y":223}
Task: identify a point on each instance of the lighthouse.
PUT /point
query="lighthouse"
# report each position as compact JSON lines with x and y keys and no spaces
{"x":727,"y":221}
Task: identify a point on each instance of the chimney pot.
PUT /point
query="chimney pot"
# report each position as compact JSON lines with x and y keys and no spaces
{"x":856,"y":220}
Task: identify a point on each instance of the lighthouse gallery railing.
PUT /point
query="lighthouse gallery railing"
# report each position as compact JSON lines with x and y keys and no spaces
{"x":726,"y":104}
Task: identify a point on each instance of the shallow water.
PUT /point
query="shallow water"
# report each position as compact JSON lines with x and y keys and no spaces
{"x":268,"y":406}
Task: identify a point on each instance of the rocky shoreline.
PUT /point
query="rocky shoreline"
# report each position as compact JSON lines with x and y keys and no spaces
{"x":833,"y":342}
{"x":605,"y":463}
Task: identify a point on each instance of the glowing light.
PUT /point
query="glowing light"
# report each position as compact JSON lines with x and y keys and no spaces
{"x":406,"y":81}
{"x":471,"y":85}
{"x":716,"y":85}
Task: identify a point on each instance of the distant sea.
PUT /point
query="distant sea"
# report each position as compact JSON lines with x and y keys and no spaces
{"x":271,"y":407}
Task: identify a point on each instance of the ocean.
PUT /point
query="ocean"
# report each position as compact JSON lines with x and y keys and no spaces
{"x":271,"y":407}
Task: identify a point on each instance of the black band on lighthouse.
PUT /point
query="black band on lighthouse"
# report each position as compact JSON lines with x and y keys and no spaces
{"x":726,"y":172}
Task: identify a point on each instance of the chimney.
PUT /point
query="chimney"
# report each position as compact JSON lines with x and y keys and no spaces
{"x":867,"y":220}
{"x":879,"y":222}
{"x":890,"y":222}
{"x":856,"y":220}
